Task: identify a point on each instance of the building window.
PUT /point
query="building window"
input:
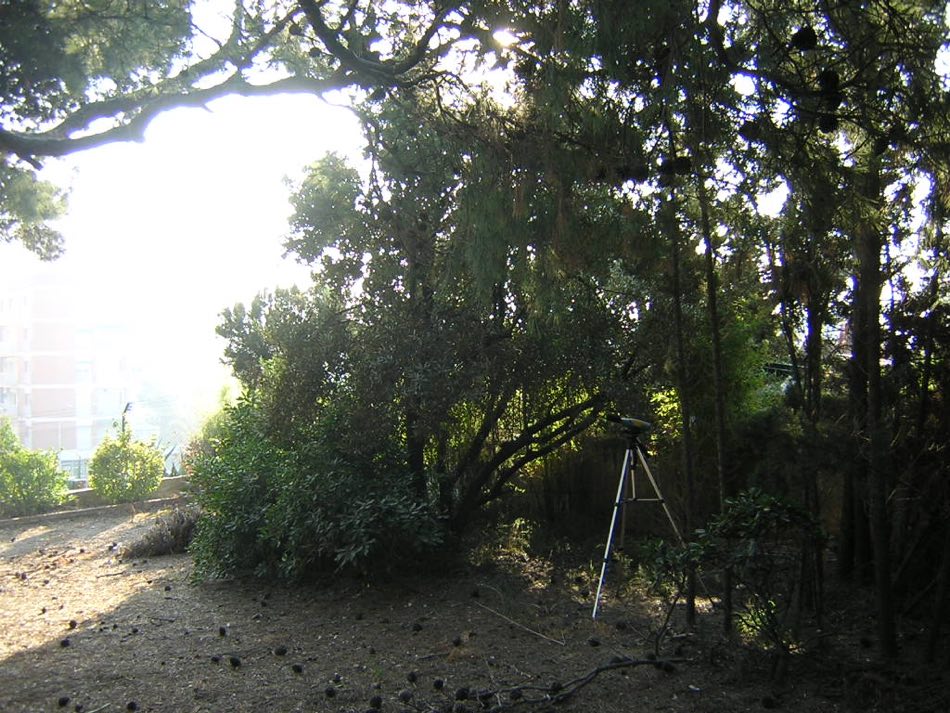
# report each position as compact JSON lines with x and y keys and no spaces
{"x":84,"y":372}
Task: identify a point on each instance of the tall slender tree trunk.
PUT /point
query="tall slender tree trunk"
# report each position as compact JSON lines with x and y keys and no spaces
{"x":415,"y":450}
{"x":926,"y":372}
{"x":812,"y":576}
{"x":869,"y":245}
{"x":418,"y":247}
{"x":854,"y":556}
{"x":685,"y":407}
{"x":712,"y":310}
{"x":814,"y":320}
{"x":939,"y":613}
{"x":719,"y":388}
{"x":846,"y":555}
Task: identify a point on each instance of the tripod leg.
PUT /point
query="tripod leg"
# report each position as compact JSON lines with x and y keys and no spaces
{"x":629,"y":495}
{"x":666,"y":509}
{"x":656,"y":489}
{"x":618,"y":508}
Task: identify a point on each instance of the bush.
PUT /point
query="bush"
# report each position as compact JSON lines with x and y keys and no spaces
{"x":297,"y":508}
{"x":760,"y":538}
{"x":123,"y":470}
{"x":30,"y":481}
{"x":201,"y":444}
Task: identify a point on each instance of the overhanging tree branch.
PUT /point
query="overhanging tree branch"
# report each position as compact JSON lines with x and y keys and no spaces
{"x":28,"y":146}
{"x":387,"y":73}
{"x":535,"y":441}
{"x":130,"y":113}
{"x":378,"y":71}
{"x":558,"y":438}
{"x":538,"y":433}
{"x":488,"y":423}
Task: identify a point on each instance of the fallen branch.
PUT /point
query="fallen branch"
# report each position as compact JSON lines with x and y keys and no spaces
{"x":506,"y":699}
{"x":558,"y":693}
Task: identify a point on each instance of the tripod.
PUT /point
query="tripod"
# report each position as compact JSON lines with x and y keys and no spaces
{"x":633,"y":427}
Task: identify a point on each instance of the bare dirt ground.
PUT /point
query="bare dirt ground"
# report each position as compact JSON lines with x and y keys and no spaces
{"x":83,"y":630}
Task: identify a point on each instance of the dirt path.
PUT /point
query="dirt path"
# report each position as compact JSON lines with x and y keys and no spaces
{"x":84,"y":631}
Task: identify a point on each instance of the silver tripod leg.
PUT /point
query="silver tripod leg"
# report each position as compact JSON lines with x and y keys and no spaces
{"x":618,"y":504}
{"x":627,"y":472}
{"x":669,"y":515}
{"x":656,"y":489}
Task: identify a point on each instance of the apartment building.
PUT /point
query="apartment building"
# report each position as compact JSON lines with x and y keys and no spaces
{"x":63,"y":377}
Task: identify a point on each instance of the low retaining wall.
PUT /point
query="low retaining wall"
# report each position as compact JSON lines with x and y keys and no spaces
{"x":89,"y":498}
{"x":86,"y":500}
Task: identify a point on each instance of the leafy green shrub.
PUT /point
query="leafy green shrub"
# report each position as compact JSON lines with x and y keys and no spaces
{"x":201,"y":444}
{"x":662,"y":566}
{"x":229,"y":477}
{"x":30,"y":481}
{"x":760,"y":538}
{"x":299,"y":507}
{"x":123,"y":470}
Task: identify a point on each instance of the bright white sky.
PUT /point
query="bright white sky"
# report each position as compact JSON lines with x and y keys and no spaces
{"x":167,"y":233}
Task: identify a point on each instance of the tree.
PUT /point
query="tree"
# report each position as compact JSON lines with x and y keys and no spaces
{"x":838,"y":73}
{"x":473,"y":371}
{"x":780,"y":93}
{"x":75,"y":75}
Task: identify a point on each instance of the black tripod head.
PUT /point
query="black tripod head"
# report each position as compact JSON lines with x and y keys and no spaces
{"x":632,"y":427}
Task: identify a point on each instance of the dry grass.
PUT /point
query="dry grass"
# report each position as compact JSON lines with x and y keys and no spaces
{"x":170,"y":534}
